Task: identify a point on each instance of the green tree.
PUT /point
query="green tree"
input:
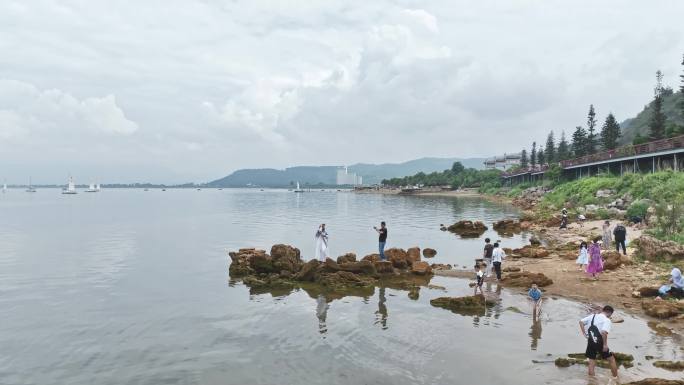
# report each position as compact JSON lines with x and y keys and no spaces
{"x":524,"y":162}
{"x":610,"y":133}
{"x":579,"y":142}
{"x":541,"y":160}
{"x":591,"y":132}
{"x":563,"y":148}
{"x":533,"y":155}
{"x":681,"y":96}
{"x":457,"y":168}
{"x":550,"y":149}
{"x":658,"y":119}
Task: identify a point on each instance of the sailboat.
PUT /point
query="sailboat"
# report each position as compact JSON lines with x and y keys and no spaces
{"x":4,"y":188}
{"x":92,"y":188}
{"x":30,"y":187}
{"x":71,"y":187}
{"x":298,"y":189}
{"x":97,"y":187}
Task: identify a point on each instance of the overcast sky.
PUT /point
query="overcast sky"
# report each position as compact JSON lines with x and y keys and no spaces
{"x":181,"y":90}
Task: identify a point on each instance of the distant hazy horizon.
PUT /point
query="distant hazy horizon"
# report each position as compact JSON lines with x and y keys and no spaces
{"x":189,"y":91}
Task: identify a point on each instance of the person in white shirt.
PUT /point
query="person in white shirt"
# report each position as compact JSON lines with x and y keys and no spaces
{"x":498,"y":256}
{"x":595,"y":328}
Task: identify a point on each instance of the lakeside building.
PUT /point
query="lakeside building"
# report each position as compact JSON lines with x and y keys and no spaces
{"x":503,"y":162}
{"x":344,"y":177}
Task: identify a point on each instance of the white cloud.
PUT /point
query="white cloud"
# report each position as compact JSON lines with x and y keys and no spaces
{"x":192,"y":90}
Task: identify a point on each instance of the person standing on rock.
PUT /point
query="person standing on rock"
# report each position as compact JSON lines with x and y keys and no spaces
{"x":321,"y":243}
{"x":498,"y":255}
{"x":595,"y":328}
{"x":487,"y":256}
{"x":595,"y":266}
{"x":607,"y":236}
{"x":620,"y":233}
{"x":382,"y":239}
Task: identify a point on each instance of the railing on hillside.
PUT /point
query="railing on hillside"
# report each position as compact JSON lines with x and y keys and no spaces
{"x":529,"y":170}
{"x":626,"y":151}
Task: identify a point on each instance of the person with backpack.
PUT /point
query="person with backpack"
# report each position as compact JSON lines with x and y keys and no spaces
{"x":595,"y":328}
{"x":620,"y":235}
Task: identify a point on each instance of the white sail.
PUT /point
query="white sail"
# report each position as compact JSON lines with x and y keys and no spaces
{"x":71,"y":187}
{"x":97,"y":187}
{"x":4,"y":187}
{"x":297,"y":185}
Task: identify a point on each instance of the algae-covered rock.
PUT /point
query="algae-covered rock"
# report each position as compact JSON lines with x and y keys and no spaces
{"x":343,"y":279}
{"x":468,"y":229}
{"x":421,"y":268}
{"x":346,"y":258}
{"x":656,"y":381}
{"x":670,"y":365}
{"x":286,"y":257}
{"x":413,"y":254}
{"x":360,"y":267}
{"x":308,"y":271}
{"x":662,"y":308}
{"x":470,"y":305}
{"x":507,"y":226}
{"x":398,"y":257}
{"x":383,"y":267}
{"x":526,"y":279}
{"x":429,"y":253}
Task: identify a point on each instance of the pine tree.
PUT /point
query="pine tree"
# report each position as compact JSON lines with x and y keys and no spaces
{"x":563,"y":152}
{"x":579,"y":142}
{"x":610,"y":133}
{"x":657,"y":123}
{"x":591,"y":133}
{"x":524,"y":162}
{"x":533,"y":155}
{"x":540,"y":157}
{"x":550,"y":149}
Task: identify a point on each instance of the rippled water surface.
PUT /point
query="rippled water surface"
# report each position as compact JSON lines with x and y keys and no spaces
{"x":131,"y":287}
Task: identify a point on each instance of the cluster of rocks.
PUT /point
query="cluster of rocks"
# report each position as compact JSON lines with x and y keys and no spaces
{"x":530,"y":197}
{"x":653,"y":249}
{"x":284,"y":267}
{"x":662,"y":309}
{"x":525,"y":279}
{"x":621,"y":359}
{"x":468,"y":229}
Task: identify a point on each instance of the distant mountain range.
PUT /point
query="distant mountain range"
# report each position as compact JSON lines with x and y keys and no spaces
{"x":639,"y":124}
{"x":326,"y":175}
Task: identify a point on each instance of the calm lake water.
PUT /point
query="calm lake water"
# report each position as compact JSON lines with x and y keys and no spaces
{"x":132,"y":287}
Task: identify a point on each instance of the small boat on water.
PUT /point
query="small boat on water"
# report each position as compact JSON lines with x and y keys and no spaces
{"x":163,"y":189}
{"x":298,"y":189}
{"x":30,"y":187}
{"x":70,"y":188}
{"x":4,"y":188}
{"x":93,"y":188}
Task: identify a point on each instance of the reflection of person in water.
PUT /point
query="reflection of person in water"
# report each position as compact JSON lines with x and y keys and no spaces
{"x":535,"y":331}
{"x":321,"y":313}
{"x":382,"y":309}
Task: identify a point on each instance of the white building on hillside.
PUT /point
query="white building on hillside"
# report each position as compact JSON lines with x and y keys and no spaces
{"x":503,"y":162}
{"x":344,"y":177}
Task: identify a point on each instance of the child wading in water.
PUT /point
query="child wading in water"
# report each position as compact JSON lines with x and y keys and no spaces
{"x":479,"y":277}
{"x":535,"y":295}
{"x":583,"y":259}
{"x":595,"y":266}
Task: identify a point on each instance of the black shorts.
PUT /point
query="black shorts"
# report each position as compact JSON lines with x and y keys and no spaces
{"x":480,"y":281}
{"x":592,"y":353}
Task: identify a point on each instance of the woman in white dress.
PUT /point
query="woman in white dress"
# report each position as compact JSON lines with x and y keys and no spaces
{"x":321,"y":243}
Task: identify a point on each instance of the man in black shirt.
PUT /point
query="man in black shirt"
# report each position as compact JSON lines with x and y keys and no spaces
{"x":487,"y":256}
{"x":382,"y":239}
{"x":620,"y":234}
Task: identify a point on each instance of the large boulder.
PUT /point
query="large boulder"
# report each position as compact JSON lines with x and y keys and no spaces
{"x":371,"y":257}
{"x":468,"y":229}
{"x":651,"y":249}
{"x":662,"y":308}
{"x":308,"y":272}
{"x":526,"y":279}
{"x":262,"y":263}
{"x":421,"y":268}
{"x":360,"y":267}
{"x":429,"y":253}
{"x":241,"y":261}
{"x":398,"y":257}
{"x":345,"y":279}
{"x":413,"y":254}
{"x":383,"y":267}
{"x":346,"y":258}
{"x":613,"y":260}
{"x":286,"y":257}
{"x":531,"y":252}
{"x":507,"y":226}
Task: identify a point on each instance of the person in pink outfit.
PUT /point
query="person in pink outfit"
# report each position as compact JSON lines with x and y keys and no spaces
{"x":595,"y":266}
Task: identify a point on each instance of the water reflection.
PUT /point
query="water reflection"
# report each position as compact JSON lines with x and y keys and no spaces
{"x":381,"y":314}
{"x":322,"y":313}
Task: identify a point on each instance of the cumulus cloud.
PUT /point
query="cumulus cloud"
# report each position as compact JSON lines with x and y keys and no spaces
{"x":196,"y":89}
